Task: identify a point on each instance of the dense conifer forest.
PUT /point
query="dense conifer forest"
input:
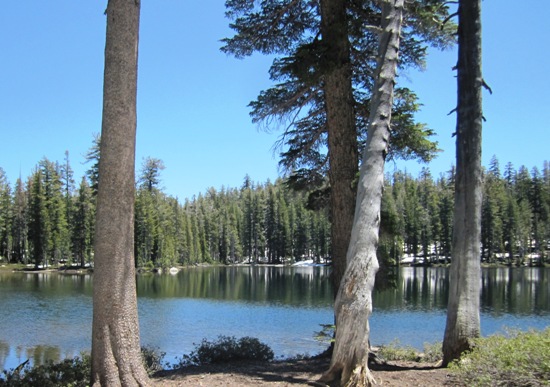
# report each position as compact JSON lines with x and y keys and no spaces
{"x":48,"y":218}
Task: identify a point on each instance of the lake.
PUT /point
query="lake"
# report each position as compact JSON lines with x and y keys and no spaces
{"x":48,"y":315}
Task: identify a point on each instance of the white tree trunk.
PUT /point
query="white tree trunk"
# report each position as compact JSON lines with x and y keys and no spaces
{"x":116,"y":352}
{"x":353,"y":305}
{"x":465,"y":274}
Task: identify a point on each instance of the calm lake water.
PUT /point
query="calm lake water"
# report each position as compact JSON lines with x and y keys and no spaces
{"x":48,"y":315}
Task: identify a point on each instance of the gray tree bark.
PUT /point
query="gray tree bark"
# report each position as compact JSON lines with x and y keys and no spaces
{"x":116,"y":353}
{"x":353,"y":305}
{"x":465,"y":273}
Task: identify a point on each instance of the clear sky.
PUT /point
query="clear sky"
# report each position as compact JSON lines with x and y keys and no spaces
{"x":192,"y":98}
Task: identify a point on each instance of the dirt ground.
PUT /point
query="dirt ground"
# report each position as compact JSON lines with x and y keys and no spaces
{"x":300,"y":372}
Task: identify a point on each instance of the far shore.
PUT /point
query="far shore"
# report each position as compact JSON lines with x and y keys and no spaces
{"x":72,"y":270}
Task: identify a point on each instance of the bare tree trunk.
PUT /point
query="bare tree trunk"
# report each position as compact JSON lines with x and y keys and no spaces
{"x":465,"y":273}
{"x":116,"y":354}
{"x":342,"y":134}
{"x":353,"y":306}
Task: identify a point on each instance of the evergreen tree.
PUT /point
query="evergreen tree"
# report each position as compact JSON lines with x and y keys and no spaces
{"x":67,"y":178}
{"x":302,"y":233}
{"x":426,"y":193}
{"x":390,"y":238}
{"x":271,"y":226}
{"x":493,"y":208}
{"x":58,"y":244}
{"x":446,"y":205}
{"x":146,"y":228}
{"x":541,"y":211}
{"x":522,"y":195}
{"x":149,"y":178}
{"x":92,"y":158}
{"x":116,"y":358}
{"x":39,"y":231}
{"x":324,"y":82}
{"x":465,"y":273}
{"x":5,"y":218}
{"x":82,"y":224}
{"x":250,"y":218}
{"x":413,"y":214}
{"x":20,"y":226}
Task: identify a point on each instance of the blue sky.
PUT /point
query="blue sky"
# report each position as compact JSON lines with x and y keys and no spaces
{"x":192,"y":98}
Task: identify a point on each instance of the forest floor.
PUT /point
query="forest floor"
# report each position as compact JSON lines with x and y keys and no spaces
{"x":300,"y":372}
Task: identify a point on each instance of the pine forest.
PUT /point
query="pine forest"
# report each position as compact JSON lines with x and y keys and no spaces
{"x":48,"y":219}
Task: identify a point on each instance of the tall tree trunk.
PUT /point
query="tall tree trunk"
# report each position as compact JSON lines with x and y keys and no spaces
{"x":353,"y":306}
{"x":116,"y":355}
{"x":342,"y":134}
{"x":465,"y":273}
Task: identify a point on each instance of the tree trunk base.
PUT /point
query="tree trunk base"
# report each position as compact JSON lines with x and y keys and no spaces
{"x":337,"y":375}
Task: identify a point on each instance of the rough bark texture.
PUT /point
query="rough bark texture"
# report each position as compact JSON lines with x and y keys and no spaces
{"x":353,"y":306}
{"x":465,"y":273}
{"x":116,"y":355}
{"x":342,"y":135}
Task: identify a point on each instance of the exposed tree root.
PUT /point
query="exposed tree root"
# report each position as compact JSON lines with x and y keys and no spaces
{"x":339,"y":375}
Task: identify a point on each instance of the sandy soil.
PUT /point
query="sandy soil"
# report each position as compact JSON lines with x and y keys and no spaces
{"x":300,"y":372}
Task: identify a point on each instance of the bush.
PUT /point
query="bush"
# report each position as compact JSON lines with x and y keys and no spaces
{"x":522,"y":359}
{"x":70,"y":372}
{"x":226,"y":349}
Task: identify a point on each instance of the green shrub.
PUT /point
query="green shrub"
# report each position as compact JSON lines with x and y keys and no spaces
{"x":70,"y":373}
{"x":433,"y":352}
{"x":521,"y":359}
{"x":226,"y":349}
{"x":393,"y":351}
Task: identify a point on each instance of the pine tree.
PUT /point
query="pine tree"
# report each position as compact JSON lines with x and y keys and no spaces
{"x":324,"y":81}
{"x":493,"y":208}
{"x":5,"y":218}
{"x":116,"y":358}
{"x":541,"y":212}
{"x":426,"y":200}
{"x":39,"y":232}
{"x":58,"y":242}
{"x":149,"y":178}
{"x":92,"y":156}
{"x":82,"y":223}
{"x":462,"y":323}
{"x":446,"y":188}
{"x":20,"y":226}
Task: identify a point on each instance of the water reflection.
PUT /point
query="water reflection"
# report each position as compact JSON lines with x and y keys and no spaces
{"x":48,"y":315}
{"x":522,"y":291}
{"x":518,"y":291}
{"x":298,"y":286}
{"x":415,"y":311}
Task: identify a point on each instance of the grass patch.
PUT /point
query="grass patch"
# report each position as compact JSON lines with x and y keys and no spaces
{"x":519,"y":359}
{"x":395,"y":352}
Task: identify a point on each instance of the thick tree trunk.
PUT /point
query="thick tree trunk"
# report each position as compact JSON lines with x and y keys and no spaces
{"x":116,"y":354}
{"x":465,"y":274}
{"x":353,"y":306}
{"x":342,"y":134}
